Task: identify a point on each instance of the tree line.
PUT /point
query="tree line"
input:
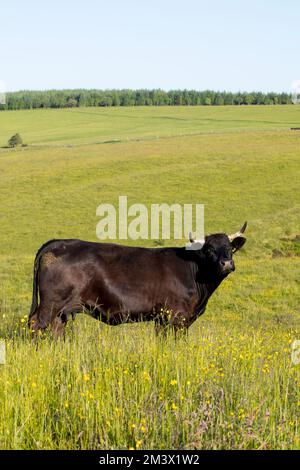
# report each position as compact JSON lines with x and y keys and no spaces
{"x":78,"y":98}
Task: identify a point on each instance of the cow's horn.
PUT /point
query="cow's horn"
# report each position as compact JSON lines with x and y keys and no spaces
{"x":191,"y":237}
{"x":196,"y":244}
{"x":239,"y":233}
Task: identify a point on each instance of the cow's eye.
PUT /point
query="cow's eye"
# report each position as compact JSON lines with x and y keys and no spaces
{"x":211,"y":252}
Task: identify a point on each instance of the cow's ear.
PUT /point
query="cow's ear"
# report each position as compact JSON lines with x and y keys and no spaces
{"x":237,"y":243}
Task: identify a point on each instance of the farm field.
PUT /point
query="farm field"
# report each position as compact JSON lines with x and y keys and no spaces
{"x":231,"y":384}
{"x":101,"y":125}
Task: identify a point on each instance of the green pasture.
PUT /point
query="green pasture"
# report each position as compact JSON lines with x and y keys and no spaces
{"x":97,"y":125}
{"x":232,"y":384}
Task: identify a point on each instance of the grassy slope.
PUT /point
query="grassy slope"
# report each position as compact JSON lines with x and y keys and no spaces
{"x":87,"y":125}
{"x":232,"y":384}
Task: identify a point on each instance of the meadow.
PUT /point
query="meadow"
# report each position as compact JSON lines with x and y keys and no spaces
{"x":231,"y":384}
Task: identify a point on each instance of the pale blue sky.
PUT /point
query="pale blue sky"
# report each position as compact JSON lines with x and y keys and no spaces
{"x":230,"y":44}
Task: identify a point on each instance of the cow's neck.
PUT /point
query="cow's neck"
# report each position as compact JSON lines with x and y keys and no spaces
{"x":205,"y":290}
{"x":205,"y":284}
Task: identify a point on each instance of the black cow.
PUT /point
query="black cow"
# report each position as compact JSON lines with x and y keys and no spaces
{"x":119,"y":284}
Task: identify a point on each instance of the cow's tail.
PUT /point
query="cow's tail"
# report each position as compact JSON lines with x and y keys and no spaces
{"x":35,"y":287}
{"x":35,"y":284}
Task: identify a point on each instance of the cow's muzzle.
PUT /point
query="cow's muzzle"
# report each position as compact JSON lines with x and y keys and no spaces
{"x":227,"y":266}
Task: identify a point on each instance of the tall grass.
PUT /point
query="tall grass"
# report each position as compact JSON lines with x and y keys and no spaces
{"x":227,"y":386}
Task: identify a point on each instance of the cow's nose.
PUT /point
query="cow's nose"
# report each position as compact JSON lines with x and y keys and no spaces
{"x":228,"y":265}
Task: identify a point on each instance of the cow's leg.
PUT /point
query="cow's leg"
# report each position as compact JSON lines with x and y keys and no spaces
{"x":40,"y":320}
{"x":161,"y":326}
{"x":58,"y":327}
{"x":180,"y":332}
{"x":33,"y":323}
{"x":59,"y":321}
{"x":180,"y":324}
{"x":72,"y":328}
{"x":163,"y":329}
{"x":160,"y":330}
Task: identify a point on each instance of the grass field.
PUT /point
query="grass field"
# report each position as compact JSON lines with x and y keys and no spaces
{"x":102,"y":125}
{"x":232,"y":383}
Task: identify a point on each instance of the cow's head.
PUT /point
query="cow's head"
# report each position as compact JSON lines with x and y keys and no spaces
{"x":217,"y":250}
